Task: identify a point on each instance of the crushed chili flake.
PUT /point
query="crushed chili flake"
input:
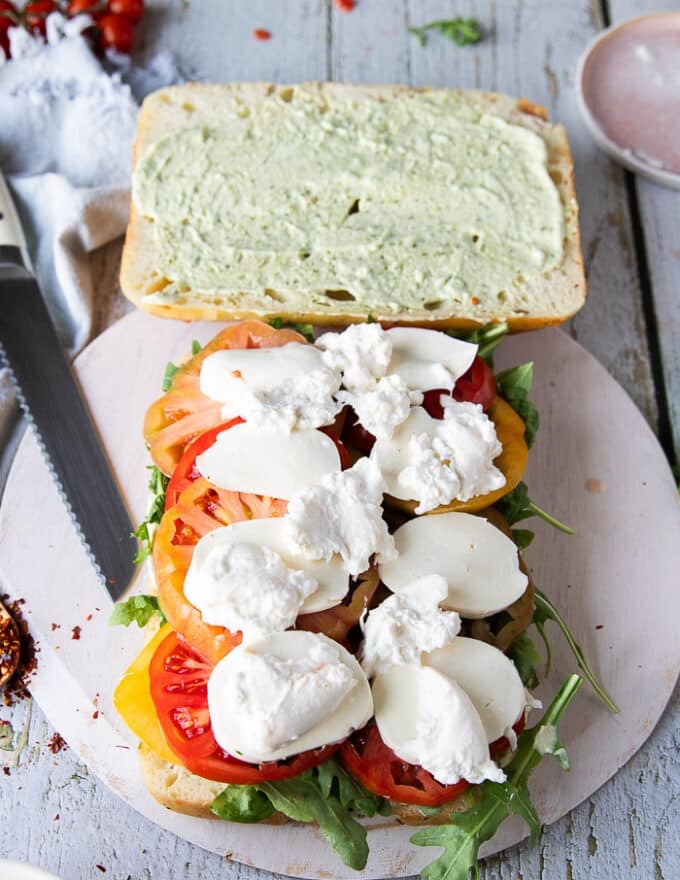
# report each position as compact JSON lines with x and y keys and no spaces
{"x":56,"y":626}
{"x":57,"y":743}
{"x":95,"y":714}
{"x":56,"y":818}
{"x":101,"y":868}
{"x":474,"y":300}
{"x":88,"y":618}
{"x":16,"y":688}
{"x":262,"y":34}
{"x":6,"y":771}
{"x":10,"y":646}
{"x":76,"y":633}
{"x":600,"y":626}
{"x":345,"y":5}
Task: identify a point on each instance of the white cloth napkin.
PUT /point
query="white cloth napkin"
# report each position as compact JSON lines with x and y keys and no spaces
{"x":67,"y":123}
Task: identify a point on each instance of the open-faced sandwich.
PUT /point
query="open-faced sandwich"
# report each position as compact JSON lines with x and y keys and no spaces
{"x":343,"y":606}
{"x":342,"y":597}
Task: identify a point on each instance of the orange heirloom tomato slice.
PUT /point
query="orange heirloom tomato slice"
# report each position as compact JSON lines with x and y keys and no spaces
{"x":511,"y":462}
{"x":184,"y":412}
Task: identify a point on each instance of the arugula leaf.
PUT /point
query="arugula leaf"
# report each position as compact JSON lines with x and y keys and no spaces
{"x":305,"y":330}
{"x":524,"y":654}
{"x":144,"y":532}
{"x":485,"y":338}
{"x":522,"y":537}
{"x":325,"y":795}
{"x":196,"y":347}
{"x":137,"y":609}
{"x":516,"y":506}
{"x":514,"y":386}
{"x":461,"y":31}
{"x":462,"y":838}
{"x":168,"y":375}
{"x":545,"y":611}
{"x":242,"y":803}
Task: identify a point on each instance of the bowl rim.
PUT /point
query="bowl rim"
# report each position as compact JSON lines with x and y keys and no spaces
{"x":622,"y":155}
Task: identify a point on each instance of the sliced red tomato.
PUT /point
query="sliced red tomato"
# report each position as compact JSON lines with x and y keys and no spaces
{"x":174,"y":420}
{"x":194,"y":507}
{"x":186,"y":471}
{"x":477,"y":385}
{"x":200,"y":508}
{"x":178,"y":677}
{"x":380,"y":770}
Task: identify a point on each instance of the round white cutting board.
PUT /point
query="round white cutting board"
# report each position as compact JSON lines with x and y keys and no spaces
{"x":596,"y":464}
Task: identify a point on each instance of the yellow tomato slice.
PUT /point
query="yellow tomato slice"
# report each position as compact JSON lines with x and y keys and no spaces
{"x":132,"y":699}
{"x":511,"y":462}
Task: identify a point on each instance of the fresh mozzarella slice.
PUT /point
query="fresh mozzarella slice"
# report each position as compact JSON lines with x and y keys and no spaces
{"x":433,"y":461}
{"x":426,"y":718}
{"x":259,"y":368}
{"x":428,"y":359}
{"x":247,"y":458}
{"x":488,"y":677}
{"x":285,"y":694}
{"x":480,"y":564}
{"x":331,"y":577}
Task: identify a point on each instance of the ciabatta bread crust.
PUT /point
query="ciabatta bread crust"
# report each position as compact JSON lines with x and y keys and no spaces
{"x":546,"y":298}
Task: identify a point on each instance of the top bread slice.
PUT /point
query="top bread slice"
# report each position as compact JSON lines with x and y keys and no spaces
{"x":534,"y":300}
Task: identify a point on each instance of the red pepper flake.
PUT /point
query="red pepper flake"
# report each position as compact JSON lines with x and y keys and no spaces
{"x":101,"y":868}
{"x":56,"y":626}
{"x":262,"y":34}
{"x":474,"y":300}
{"x":76,"y":633}
{"x":16,"y":688}
{"x":345,"y":5}
{"x":56,"y":818}
{"x":95,"y":714}
{"x":57,"y":743}
{"x":600,"y":626}
{"x":6,"y":771}
{"x":88,"y":618}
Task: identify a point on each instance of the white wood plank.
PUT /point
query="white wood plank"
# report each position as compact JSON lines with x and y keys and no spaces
{"x":660,"y":214}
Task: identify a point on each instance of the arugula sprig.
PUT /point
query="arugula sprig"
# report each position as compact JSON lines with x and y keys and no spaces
{"x":526,"y":657}
{"x":514,"y":386}
{"x":327,"y":795}
{"x":158,"y":483}
{"x":545,"y":611}
{"x":171,"y":368}
{"x":516,"y":506}
{"x":461,"y":31}
{"x":497,"y":800}
{"x":305,"y":330}
{"x":137,"y":609}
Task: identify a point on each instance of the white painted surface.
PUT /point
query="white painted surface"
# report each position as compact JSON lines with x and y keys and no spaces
{"x":590,"y":431}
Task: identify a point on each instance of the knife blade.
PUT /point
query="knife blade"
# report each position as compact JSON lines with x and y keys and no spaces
{"x":47,"y":392}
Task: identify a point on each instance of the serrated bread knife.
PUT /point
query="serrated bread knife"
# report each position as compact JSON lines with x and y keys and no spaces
{"x":49,"y":396}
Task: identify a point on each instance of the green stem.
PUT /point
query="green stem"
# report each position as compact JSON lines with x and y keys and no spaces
{"x":551,"y":716}
{"x":493,"y":336}
{"x":543,"y":603}
{"x":546,"y":517}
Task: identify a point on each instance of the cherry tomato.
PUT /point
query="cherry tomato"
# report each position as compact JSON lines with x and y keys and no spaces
{"x":178,"y":677}
{"x":133,"y":10}
{"x":380,"y":770}
{"x":116,"y":32}
{"x":78,"y":7}
{"x":36,"y":14}
{"x":478,"y":385}
{"x":177,"y":418}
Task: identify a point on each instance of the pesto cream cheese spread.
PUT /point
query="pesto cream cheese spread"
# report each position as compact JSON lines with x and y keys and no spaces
{"x":401,"y":204}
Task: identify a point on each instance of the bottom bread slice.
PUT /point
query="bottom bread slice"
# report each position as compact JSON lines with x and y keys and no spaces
{"x":177,"y":789}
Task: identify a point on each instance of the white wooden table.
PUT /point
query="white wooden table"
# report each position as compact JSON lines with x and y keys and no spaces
{"x":52,"y":812}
